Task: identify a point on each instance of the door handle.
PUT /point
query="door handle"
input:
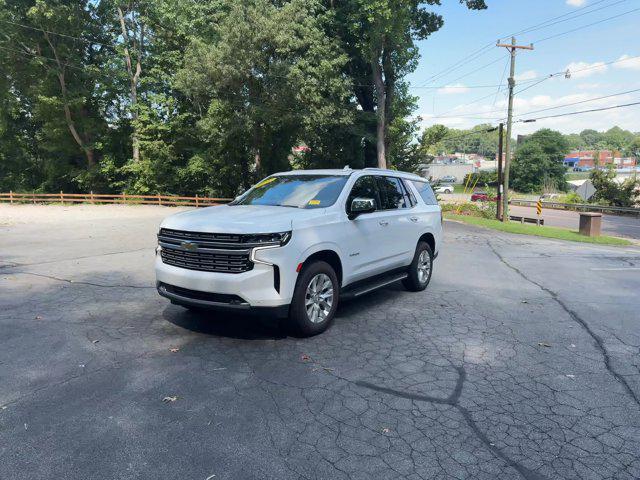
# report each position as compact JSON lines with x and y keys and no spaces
{"x":384,"y":223}
{"x":413,"y":219}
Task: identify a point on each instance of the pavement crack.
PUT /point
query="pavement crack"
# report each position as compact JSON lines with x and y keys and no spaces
{"x":73,"y":282}
{"x":453,"y":400}
{"x":14,"y":264}
{"x":599,"y":342}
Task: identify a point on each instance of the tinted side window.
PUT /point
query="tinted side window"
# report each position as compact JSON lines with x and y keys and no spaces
{"x":365,"y":187}
{"x":391,"y":194}
{"x":424,"y":189}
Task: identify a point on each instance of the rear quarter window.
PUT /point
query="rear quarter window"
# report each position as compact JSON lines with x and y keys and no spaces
{"x":425,"y":191}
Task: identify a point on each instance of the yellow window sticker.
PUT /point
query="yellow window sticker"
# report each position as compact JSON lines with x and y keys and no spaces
{"x":265,"y":182}
{"x":314,"y":202}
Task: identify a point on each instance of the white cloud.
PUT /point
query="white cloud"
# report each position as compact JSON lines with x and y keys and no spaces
{"x":627,"y":118}
{"x":451,"y":89}
{"x":627,"y":62}
{"x":527,"y":75}
{"x":585,"y":69}
{"x":576,"y":3}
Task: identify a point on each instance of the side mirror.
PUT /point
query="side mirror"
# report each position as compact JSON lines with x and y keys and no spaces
{"x":361,"y":205}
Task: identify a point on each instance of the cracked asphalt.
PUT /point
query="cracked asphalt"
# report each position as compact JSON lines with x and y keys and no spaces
{"x":521,"y":360}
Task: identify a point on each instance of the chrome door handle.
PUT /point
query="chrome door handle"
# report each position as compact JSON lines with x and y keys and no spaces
{"x":413,"y":219}
{"x":384,"y":223}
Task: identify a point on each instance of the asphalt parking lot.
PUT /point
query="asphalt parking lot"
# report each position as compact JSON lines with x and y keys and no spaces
{"x":521,"y":360}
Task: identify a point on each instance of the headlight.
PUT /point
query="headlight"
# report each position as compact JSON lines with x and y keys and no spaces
{"x":280,"y":238}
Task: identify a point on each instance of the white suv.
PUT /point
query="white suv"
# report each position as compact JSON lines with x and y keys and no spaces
{"x":299,"y":241}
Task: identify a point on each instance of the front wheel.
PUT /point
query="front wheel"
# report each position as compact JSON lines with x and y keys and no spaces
{"x":420,"y":269}
{"x":315,"y":299}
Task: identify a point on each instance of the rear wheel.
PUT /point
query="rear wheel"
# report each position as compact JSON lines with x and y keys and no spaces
{"x":315,"y":299}
{"x":420,"y":269}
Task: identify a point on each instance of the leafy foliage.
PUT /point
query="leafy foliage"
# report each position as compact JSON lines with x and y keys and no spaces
{"x":612,"y":192}
{"x":538,"y":162}
{"x":438,"y":140}
{"x":203,"y":96}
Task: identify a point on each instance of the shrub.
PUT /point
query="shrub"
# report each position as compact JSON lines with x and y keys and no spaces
{"x":481,"y":209}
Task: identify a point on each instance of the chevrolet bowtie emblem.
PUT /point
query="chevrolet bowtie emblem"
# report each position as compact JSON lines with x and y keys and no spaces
{"x":192,"y":247}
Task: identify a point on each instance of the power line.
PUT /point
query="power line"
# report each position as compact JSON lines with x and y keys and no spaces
{"x":471,"y":115}
{"x":580,"y":112}
{"x":534,"y":85}
{"x":37,"y":55}
{"x":481,"y":51}
{"x":586,"y":26}
{"x":468,"y":134}
{"x":477,"y":69}
{"x":463,"y":105}
{"x":469,"y":58}
{"x":86,"y":40}
{"x":504,"y":71}
{"x":580,"y":102}
{"x":572,"y":15}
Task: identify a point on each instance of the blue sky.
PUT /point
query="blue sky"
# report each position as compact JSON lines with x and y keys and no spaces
{"x":585,"y":52}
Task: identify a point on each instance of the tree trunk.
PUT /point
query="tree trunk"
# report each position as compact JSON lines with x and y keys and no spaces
{"x":133,"y":79}
{"x":380,"y":110}
{"x":87,"y":150}
{"x":364,"y":95}
{"x":390,"y":82}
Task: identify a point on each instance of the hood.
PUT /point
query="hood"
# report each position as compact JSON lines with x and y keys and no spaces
{"x":239,"y":219}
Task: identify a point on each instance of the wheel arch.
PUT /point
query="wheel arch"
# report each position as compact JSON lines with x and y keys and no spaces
{"x":329,"y":256}
{"x":430,"y":239}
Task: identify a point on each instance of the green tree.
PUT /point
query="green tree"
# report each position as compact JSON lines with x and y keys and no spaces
{"x":269,"y":81}
{"x":539,"y":162}
{"x":431,"y":141}
{"x":634,"y":147}
{"x":617,"y":139}
{"x":612,"y":192}
{"x":380,"y":36}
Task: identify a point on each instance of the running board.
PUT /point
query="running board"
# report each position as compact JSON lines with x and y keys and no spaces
{"x":372,"y":285}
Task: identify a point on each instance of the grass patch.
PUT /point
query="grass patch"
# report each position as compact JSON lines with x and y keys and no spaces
{"x":577,"y":175}
{"x":547,"y":232}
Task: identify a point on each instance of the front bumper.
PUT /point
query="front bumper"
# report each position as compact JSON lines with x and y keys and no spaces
{"x":209,"y":301}
{"x":255,"y":288}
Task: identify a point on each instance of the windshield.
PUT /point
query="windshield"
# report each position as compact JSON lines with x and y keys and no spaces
{"x":299,"y":191}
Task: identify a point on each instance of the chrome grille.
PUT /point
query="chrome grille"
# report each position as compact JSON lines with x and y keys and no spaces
{"x":206,"y":252}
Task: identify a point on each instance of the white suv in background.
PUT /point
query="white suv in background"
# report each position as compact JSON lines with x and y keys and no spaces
{"x":297,"y":242}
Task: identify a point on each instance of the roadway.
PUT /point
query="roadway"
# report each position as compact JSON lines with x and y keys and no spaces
{"x":615,"y":225}
{"x":520,"y":361}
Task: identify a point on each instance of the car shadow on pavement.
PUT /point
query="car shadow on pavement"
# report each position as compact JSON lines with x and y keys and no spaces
{"x":243,"y":326}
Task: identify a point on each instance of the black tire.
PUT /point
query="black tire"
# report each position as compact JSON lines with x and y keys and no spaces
{"x":299,"y":319}
{"x":413,"y":282}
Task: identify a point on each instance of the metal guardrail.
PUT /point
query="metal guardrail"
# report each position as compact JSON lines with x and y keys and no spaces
{"x":583,"y":207}
{"x":122,"y":199}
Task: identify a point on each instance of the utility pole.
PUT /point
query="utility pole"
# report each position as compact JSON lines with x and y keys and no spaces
{"x":507,"y":160}
{"x":500,"y":155}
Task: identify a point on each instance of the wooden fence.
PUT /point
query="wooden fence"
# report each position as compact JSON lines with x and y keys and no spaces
{"x":122,"y":199}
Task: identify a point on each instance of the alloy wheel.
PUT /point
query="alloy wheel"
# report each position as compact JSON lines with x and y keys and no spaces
{"x":424,"y":266}
{"x":318,"y":298}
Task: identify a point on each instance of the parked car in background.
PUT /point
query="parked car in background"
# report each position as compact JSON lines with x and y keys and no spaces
{"x":298,"y":242}
{"x":444,"y":189}
{"x":550,"y":196}
{"x":449,"y":179}
{"x":481,"y":196}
